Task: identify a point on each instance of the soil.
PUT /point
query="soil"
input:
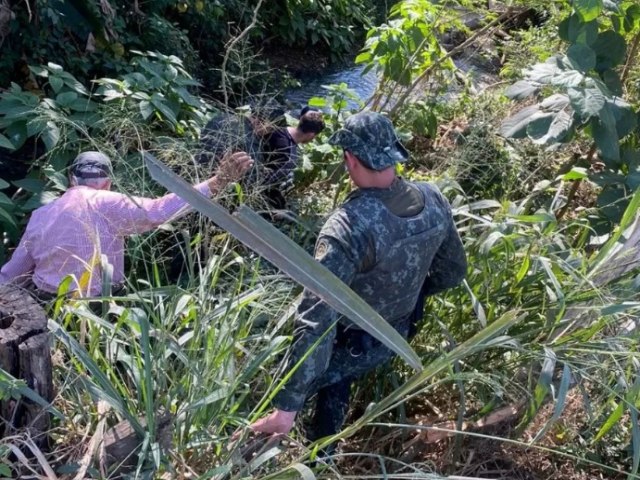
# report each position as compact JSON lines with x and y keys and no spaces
{"x":478,"y":456}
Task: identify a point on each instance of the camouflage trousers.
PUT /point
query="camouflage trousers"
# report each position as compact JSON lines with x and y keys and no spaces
{"x":355,"y":354}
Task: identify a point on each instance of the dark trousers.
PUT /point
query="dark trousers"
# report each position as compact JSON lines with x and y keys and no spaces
{"x":355,"y":354}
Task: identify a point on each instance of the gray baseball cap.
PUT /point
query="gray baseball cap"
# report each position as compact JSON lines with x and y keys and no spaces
{"x":91,"y":165}
{"x":371,"y":137}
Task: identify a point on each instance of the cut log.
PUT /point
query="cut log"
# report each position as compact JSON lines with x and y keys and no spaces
{"x":122,"y":444}
{"x":25,"y":354}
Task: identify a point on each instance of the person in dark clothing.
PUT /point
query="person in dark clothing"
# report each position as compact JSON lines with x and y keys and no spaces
{"x":281,"y":157}
{"x":394,"y":242}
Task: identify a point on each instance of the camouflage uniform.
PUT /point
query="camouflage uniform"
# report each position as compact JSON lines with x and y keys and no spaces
{"x":392,"y":246}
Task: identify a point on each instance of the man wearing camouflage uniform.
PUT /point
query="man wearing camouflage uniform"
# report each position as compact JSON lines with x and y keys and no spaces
{"x":393,"y":242}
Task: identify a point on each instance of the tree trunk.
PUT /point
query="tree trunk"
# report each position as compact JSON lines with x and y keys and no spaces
{"x":25,"y":354}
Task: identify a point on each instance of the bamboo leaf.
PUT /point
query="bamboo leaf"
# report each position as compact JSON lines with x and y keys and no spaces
{"x":258,"y":234}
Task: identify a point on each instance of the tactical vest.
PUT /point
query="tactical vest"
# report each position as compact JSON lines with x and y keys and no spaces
{"x":401,"y":250}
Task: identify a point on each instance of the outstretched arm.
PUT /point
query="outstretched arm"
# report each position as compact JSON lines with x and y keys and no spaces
{"x":133,"y":215}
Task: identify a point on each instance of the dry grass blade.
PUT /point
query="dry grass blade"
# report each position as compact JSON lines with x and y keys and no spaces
{"x":94,"y":444}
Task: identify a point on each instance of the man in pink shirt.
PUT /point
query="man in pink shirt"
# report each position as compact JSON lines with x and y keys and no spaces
{"x":86,"y":227}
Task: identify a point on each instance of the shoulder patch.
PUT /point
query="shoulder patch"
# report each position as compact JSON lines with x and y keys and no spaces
{"x":321,"y":249}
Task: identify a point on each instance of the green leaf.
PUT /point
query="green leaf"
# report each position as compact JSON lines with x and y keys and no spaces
{"x":611,"y":421}
{"x":612,"y":80}
{"x":7,"y":220}
{"x":574,"y":30}
{"x":516,"y":125}
{"x":5,"y":143}
{"x":56,"y":83}
{"x":159,"y":102}
{"x":255,"y":232}
{"x":632,"y":16}
{"x":50,"y":135}
{"x":576,"y":173}
{"x":539,"y":126}
{"x":625,"y":118}
{"x":17,"y":133}
{"x":32,"y":185}
{"x":610,"y":48}
{"x":582,"y":57}
{"x":545,"y":72}
{"x":66,"y":99}
{"x":146,"y":109}
{"x":588,"y":9}
{"x":4,"y":184}
{"x":317,"y":102}
{"x":555,"y":102}
{"x":587,"y":102}
{"x":520,"y":90}
{"x":604,"y":133}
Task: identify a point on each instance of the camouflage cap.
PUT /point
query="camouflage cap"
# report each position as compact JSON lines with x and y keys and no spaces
{"x":91,"y":165}
{"x":371,"y":137}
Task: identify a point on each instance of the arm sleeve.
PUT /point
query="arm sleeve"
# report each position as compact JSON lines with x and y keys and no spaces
{"x":20,"y":265}
{"x":449,"y":265}
{"x":132,"y":215}
{"x":282,"y":158}
{"x":314,"y":317}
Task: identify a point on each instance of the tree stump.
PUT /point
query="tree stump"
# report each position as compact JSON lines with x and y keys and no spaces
{"x":25,"y":354}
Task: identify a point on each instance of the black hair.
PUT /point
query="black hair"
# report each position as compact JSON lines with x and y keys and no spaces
{"x":311,"y":120}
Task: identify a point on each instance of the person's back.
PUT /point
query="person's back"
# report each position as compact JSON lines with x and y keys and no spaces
{"x":85,"y":228}
{"x":70,"y":234}
{"x":396,"y":233}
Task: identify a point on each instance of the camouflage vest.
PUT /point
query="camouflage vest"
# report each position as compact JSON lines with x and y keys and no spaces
{"x":401,"y":249}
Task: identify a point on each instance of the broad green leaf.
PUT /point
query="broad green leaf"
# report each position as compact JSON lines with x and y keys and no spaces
{"x":588,"y":9}
{"x":632,"y":16}
{"x":576,"y":173}
{"x":65,"y":99}
{"x":162,"y":106}
{"x":568,"y":78}
{"x":255,"y":232}
{"x":625,"y":117}
{"x":521,"y":90}
{"x":146,"y":109}
{"x":605,"y":134}
{"x":5,"y":142}
{"x":50,"y":135}
{"x":516,"y":125}
{"x":4,"y":184}
{"x":612,"y":80}
{"x":7,"y":220}
{"x":32,"y":185}
{"x":587,"y":102}
{"x":539,"y":126}
{"x":555,"y":102}
{"x":582,"y":57}
{"x":574,"y":30}
{"x":17,"y":133}
{"x":610,"y":48}
{"x":543,"y":73}
{"x":56,"y":83}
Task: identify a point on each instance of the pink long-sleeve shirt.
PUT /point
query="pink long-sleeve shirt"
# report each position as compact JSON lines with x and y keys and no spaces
{"x":69,"y":235}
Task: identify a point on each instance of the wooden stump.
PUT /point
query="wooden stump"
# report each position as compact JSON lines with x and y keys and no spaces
{"x":25,"y":354}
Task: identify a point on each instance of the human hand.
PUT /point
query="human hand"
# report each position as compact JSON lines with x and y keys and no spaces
{"x":277,"y":422}
{"x":231,"y":169}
